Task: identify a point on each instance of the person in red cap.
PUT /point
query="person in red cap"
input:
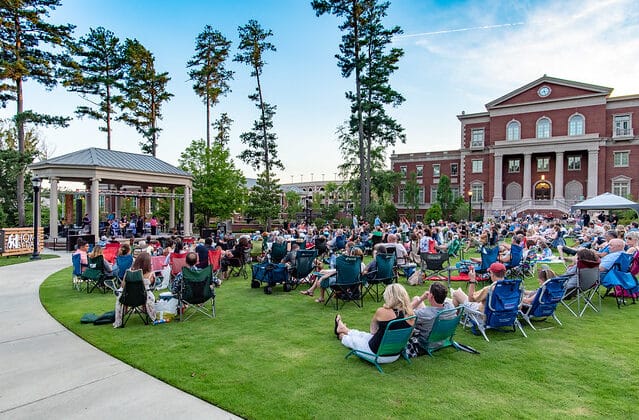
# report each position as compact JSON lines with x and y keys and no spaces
{"x":475,"y":300}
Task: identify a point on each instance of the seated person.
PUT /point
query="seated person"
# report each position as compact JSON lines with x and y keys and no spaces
{"x":191,"y":261}
{"x":505,"y":250}
{"x":123,"y":258}
{"x":291,"y":255}
{"x":82,"y":247}
{"x":475,"y":300}
{"x":233,"y":257}
{"x":396,"y":305}
{"x":327,"y":277}
{"x":545,"y":273}
{"x":483,"y":242}
{"x":142,"y":262}
{"x":436,"y":297}
{"x":97,"y":251}
{"x":400,"y":250}
{"x":632,"y":242}
{"x":615,"y":248}
{"x":586,"y":258}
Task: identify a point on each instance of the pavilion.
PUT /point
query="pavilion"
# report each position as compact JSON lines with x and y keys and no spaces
{"x":112,"y":174}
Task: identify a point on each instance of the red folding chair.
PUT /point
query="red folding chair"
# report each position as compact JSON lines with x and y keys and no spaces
{"x":215,"y":258}
{"x":110,"y":251}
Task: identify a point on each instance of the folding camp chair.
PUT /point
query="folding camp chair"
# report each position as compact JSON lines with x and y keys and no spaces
{"x":76,"y":277}
{"x":94,"y":274}
{"x":237,"y":265}
{"x":545,"y":303}
{"x":158,"y":267}
{"x":516,"y":254}
{"x":196,"y":291}
{"x":444,"y":327}
{"x":393,"y":343}
{"x":587,"y":287}
{"x":304,"y":266}
{"x":133,"y":297}
{"x":454,"y":248}
{"x":500,"y":310}
{"x":123,"y":262}
{"x":177,"y":262}
{"x":434,"y":264}
{"x":382,"y":275}
{"x":111,"y":251}
{"x":215,"y":260}
{"x":348,"y":281}
{"x":278,"y":252}
{"x":619,"y":280}
{"x":488,"y":256}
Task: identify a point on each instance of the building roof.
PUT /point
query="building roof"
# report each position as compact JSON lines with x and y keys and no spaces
{"x":596,"y":89}
{"x":95,"y":157}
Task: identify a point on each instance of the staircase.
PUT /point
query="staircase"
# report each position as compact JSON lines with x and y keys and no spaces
{"x":553,"y":206}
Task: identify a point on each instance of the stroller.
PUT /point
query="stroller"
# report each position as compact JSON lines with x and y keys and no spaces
{"x":271,"y":274}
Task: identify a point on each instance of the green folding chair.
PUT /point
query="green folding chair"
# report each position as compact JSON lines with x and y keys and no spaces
{"x":444,"y":327}
{"x":196,"y":292}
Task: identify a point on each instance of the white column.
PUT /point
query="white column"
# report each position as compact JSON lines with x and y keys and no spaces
{"x":593,"y":172}
{"x":95,"y":208}
{"x":118,"y":205}
{"x":527,"y":176}
{"x":172,"y":210}
{"x":559,"y":175}
{"x":497,"y":182}
{"x":187,"y":211}
{"x":54,"y":217}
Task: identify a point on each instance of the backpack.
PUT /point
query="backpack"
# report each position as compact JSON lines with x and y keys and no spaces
{"x":105,"y":318}
{"x":634,"y":265}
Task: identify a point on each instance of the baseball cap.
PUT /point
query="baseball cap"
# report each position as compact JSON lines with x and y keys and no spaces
{"x":496,"y":268}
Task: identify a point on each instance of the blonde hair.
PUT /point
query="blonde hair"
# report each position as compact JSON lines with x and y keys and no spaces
{"x":97,"y":251}
{"x":545,"y":274}
{"x":396,"y":297}
{"x":357,"y":252}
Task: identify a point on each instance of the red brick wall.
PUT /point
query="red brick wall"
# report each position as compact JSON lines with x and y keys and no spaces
{"x":611,"y":112}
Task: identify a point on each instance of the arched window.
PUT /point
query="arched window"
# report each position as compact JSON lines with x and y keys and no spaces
{"x":576,"y":125}
{"x":513,"y":130}
{"x":543,"y":128}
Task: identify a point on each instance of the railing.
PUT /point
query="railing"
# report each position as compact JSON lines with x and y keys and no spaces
{"x":526,"y":204}
{"x":623,"y":132}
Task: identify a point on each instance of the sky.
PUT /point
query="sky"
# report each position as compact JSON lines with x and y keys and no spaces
{"x":458,"y":56}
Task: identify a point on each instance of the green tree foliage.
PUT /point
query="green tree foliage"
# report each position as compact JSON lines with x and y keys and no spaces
{"x":144,"y":94}
{"x":223,"y":127}
{"x":293,"y":204}
{"x":384,"y":182}
{"x":263,"y":201}
{"x":208,"y":72}
{"x":411,"y":192}
{"x":32,"y":49}
{"x":218,"y":187}
{"x":433,"y":213}
{"x":97,"y":76}
{"x":261,"y":152}
{"x":445,"y":197}
{"x":363,"y":53}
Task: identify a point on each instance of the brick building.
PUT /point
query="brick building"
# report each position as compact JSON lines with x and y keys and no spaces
{"x":539,"y":148}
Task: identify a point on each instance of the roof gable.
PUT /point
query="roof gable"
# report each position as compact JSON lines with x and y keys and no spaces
{"x":559,"y":89}
{"x":103,"y":158}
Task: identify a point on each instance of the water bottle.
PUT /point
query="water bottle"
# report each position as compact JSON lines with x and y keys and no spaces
{"x":160,"y":321}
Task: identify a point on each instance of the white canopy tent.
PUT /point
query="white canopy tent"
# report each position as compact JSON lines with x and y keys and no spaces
{"x":606,"y":201}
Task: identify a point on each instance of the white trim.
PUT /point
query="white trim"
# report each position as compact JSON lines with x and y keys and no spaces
{"x":583,"y":124}
{"x":540,"y":119}
{"x":617,"y":152}
{"x":518,"y":124}
{"x":548,"y":105}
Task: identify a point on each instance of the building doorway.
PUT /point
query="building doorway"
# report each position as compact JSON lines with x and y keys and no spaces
{"x":542,"y":190}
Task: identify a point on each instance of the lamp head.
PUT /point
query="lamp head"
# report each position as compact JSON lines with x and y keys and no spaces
{"x":36,"y":182}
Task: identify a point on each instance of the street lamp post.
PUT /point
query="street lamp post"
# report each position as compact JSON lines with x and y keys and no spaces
{"x":470,"y":205}
{"x":36,"y":182}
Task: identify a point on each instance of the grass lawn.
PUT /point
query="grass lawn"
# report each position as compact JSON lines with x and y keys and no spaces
{"x":275,"y":356}
{"x":22,"y":259}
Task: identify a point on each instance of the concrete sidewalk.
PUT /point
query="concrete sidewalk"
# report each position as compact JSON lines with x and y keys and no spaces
{"x":48,"y":372}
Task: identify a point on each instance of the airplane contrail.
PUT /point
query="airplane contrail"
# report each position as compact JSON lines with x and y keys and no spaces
{"x":448,"y":31}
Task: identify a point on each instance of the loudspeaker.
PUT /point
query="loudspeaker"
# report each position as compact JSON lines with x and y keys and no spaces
{"x":78,"y":212}
{"x":191,"y":213}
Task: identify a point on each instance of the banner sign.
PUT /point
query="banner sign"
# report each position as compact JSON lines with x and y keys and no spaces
{"x":19,"y":241}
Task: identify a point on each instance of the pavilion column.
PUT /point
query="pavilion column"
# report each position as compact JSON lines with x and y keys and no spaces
{"x":117,"y":205}
{"x":53,"y":209}
{"x":497,"y":182}
{"x":593,"y":172}
{"x":172,"y":210}
{"x":187,"y":211}
{"x":87,"y":201}
{"x":559,"y":175}
{"x":95,"y":208}
{"x":527,"y":176}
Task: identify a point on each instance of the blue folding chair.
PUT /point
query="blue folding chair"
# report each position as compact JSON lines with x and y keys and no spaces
{"x":545,"y":303}
{"x":76,"y":276}
{"x":501,"y":308}
{"x":620,"y":280}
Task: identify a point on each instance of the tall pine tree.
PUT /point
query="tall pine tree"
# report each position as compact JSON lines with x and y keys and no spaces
{"x":32,"y":49}
{"x":98,"y":76}
{"x":261,"y":153}
{"x":208,"y":72}
{"x":144,"y":93}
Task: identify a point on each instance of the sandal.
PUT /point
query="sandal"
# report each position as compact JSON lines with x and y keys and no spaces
{"x":306,"y":292}
{"x":319,"y":300}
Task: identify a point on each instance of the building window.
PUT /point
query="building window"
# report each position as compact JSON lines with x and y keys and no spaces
{"x":543,"y":164}
{"x":433,"y":194}
{"x":402,"y":170}
{"x":477,"y":137}
{"x":622,"y":126}
{"x":621,"y":159}
{"x":401,"y":197}
{"x":478,"y":166}
{"x":420,"y":196}
{"x":513,"y":131}
{"x":436,"y":169}
{"x":478,"y":193}
{"x":513,"y":166}
{"x":419,"y":171}
{"x":543,"y":128}
{"x":574,"y":163}
{"x":455,"y":192}
{"x":454,"y":169}
{"x":576,"y":126}
{"x":621,"y":188}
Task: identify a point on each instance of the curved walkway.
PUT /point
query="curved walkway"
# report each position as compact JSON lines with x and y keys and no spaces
{"x":49,"y":372}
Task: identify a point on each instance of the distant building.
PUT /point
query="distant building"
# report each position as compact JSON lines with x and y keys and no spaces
{"x":539,"y":148}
